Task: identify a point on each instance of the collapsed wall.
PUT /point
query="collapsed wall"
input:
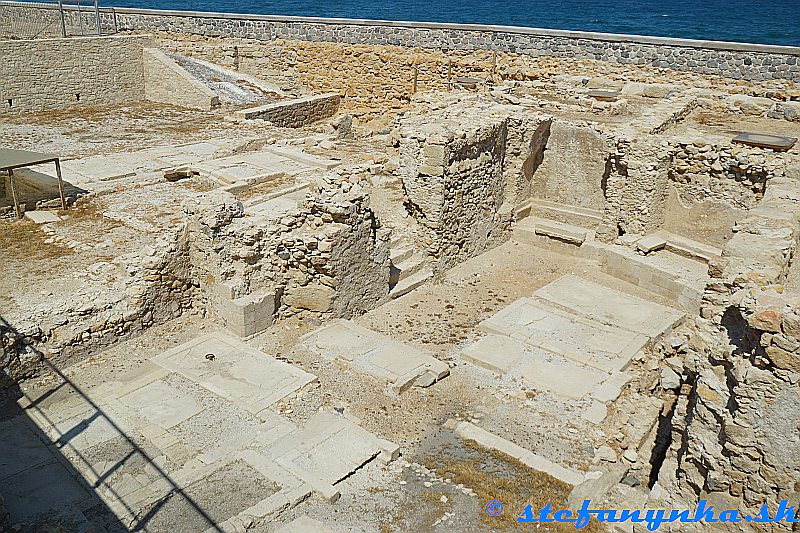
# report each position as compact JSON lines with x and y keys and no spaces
{"x":135,"y":291}
{"x":464,"y":171}
{"x":734,"y":430}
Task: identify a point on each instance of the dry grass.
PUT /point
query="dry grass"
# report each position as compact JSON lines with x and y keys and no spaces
{"x":494,"y":475}
{"x":265,"y":187}
{"x":23,"y":240}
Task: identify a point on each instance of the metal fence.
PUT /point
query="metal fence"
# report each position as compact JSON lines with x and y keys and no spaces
{"x":55,"y":18}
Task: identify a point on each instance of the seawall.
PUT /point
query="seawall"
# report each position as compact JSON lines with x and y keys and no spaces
{"x":732,"y":60}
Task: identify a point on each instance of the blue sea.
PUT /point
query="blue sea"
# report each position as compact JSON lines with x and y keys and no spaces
{"x":755,"y":21}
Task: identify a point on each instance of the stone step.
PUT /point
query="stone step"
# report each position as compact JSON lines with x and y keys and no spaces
{"x":678,"y":278}
{"x":568,"y":214}
{"x":400,"y":253}
{"x":533,"y":229}
{"x":406,"y":268}
{"x":409,"y":284}
{"x":679,"y":245}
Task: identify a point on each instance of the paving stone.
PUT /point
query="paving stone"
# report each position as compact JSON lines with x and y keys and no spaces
{"x":249,"y":378}
{"x":326,"y":450}
{"x":596,"y":412}
{"x":565,"y":378}
{"x":610,"y":306}
{"x":375,"y":354}
{"x":495,"y":352}
{"x":467,"y":430}
{"x":161,"y":404}
{"x":45,"y":490}
{"x":585,"y":341}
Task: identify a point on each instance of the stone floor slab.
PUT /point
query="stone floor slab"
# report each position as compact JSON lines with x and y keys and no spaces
{"x":375,"y":354}
{"x":247,"y":377}
{"x":161,"y":404}
{"x":41,"y":217}
{"x":585,"y":341}
{"x":609,"y":306}
{"x":327,"y":449}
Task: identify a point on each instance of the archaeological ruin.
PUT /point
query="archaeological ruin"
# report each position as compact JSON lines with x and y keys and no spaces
{"x":317,"y":275}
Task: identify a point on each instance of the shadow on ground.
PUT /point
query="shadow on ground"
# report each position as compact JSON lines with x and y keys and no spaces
{"x":41,"y":487}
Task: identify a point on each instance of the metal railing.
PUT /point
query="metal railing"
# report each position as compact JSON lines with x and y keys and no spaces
{"x":56,"y":18}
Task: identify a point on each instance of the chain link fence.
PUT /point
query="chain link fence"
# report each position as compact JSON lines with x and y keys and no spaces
{"x":56,"y":18}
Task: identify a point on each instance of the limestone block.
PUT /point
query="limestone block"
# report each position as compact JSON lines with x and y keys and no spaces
{"x":297,"y":112}
{"x":315,"y":297}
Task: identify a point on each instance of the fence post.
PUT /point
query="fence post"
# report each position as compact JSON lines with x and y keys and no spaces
{"x":97,"y":15}
{"x":80,"y":18}
{"x":63,"y":21}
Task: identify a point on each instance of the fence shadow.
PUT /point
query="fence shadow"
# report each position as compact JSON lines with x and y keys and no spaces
{"x":43,"y":487}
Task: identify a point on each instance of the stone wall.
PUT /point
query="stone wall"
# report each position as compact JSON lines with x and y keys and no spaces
{"x":326,"y":257}
{"x":733,"y":60}
{"x":42,"y":74}
{"x":156,"y":289}
{"x":297,"y":112}
{"x":464,"y":171}
{"x":636,"y":187}
{"x":757,"y":62}
{"x":735,"y":175}
{"x":574,"y":166}
{"x":735,"y":439}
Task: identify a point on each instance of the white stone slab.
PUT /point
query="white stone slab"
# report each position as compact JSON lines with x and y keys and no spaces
{"x":249,"y":378}
{"x":495,"y":352}
{"x":609,"y":306}
{"x":378,"y":355}
{"x":563,"y":377}
{"x":83,"y":431}
{"x":588,"y":342}
{"x":161,"y":404}
{"x":42,"y":217}
{"x":466,"y":430}
{"x":328,"y":447}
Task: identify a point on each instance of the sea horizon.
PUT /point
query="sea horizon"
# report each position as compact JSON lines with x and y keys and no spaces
{"x":761,"y":22}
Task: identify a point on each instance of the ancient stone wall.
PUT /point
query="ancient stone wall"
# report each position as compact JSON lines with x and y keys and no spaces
{"x":463,"y":174}
{"x":574,"y":166}
{"x":327,"y":257}
{"x":156,"y":288}
{"x":735,"y":439}
{"x":44,"y":74}
{"x":636,"y":187}
{"x":732,"y":174}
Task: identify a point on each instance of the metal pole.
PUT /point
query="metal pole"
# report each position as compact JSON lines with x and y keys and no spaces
{"x":97,"y":15}
{"x":14,"y":193}
{"x":114,"y":12}
{"x":60,"y":185}
{"x":63,"y":21}
{"x":80,"y":18}
{"x":414,"y":86}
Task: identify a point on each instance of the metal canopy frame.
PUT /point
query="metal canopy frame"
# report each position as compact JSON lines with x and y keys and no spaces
{"x":11,"y":160}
